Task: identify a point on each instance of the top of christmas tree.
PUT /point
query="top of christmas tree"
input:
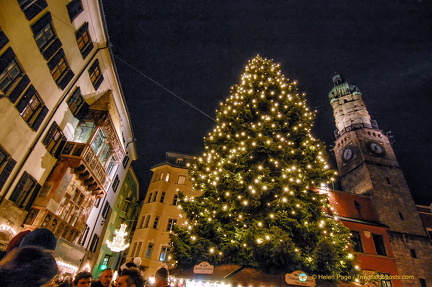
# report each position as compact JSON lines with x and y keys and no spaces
{"x":257,"y":174}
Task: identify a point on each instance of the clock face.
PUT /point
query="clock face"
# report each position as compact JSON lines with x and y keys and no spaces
{"x":375,"y":148}
{"x":348,"y":153}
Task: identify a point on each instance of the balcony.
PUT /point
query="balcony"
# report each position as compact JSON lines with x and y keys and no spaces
{"x":86,"y":165}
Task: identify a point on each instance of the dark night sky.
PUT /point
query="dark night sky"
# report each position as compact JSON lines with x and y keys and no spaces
{"x":198,"y":49}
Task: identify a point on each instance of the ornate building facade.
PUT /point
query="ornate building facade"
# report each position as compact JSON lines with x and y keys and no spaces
{"x":66,"y":141}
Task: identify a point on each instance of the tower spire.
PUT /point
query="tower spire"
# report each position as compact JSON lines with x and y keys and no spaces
{"x":349,"y":110}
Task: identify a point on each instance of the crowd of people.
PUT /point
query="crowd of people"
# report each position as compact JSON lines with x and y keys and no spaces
{"x":29,"y":261}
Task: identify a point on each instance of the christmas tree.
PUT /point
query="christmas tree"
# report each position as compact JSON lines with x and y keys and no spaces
{"x":257,"y":175}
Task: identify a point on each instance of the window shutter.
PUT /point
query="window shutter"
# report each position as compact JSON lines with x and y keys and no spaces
{"x":19,"y":89}
{"x":6,"y":58}
{"x":41,"y":23}
{"x":3,"y":39}
{"x":57,"y":57}
{"x":19,"y":187}
{"x":6,"y":171}
{"x":34,"y":9}
{"x":33,"y":197}
{"x":48,"y":137}
{"x":26,"y":98}
{"x":40,"y":118}
{"x":52,"y":49}
{"x":66,"y":79}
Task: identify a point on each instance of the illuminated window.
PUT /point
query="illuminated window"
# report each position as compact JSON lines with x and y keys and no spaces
{"x":32,"y":108}
{"x":175,"y":199}
{"x":181,"y":179}
{"x":84,"y":41}
{"x":95,"y":73}
{"x":171,"y":223}
{"x":149,"y":250}
{"x":164,"y":253}
{"x":58,"y":66}
{"x":54,"y":140}
{"x":167,"y":177}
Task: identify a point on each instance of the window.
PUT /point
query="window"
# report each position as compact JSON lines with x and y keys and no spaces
{"x":71,"y":207}
{"x":138,"y":249}
{"x":83,"y":237}
{"x":116,"y":183}
{"x":181,"y":179}
{"x":162,"y":198}
{"x":13,"y":80}
{"x":96,"y":76}
{"x":59,"y":69}
{"x":179,"y":161}
{"x":31,"y":108}
{"x":167,"y":177}
{"x":171,"y":223}
{"x":379,"y":244}
{"x":77,"y":105}
{"x":106,"y":210}
{"x":155,"y":177}
{"x":413,"y":253}
{"x":175,"y":199}
{"x":31,"y":8}
{"x":384,"y":282}
{"x":164,"y":253}
{"x":155,"y":196}
{"x":45,"y":36}
{"x":7,"y":163}
{"x":25,"y":192}
{"x":94,"y":243}
{"x":155,"y":222}
{"x":134,"y":249}
{"x":74,"y":8}
{"x":356,"y":238}
{"x":9,"y":75}
{"x":54,"y":140}
{"x":149,"y":250}
{"x":142,"y":221}
{"x":84,"y":41}
{"x":125,"y":161}
{"x":147,"y":221}
{"x":422,"y":282}
{"x":149,"y":197}
{"x":31,"y":216}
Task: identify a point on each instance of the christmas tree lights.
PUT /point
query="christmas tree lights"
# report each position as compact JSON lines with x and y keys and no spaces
{"x":257,"y":174}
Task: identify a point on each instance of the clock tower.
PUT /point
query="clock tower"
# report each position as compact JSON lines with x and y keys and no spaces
{"x":367,"y":165}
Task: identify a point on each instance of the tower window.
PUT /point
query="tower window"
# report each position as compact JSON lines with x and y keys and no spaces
{"x":388,"y":180}
{"x":401,"y":216}
{"x":356,"y":238}
{"x":379,"y":244}
{"x":413,"y":253}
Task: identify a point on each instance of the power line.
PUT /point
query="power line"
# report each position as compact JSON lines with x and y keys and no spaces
{"x":161,"y":86}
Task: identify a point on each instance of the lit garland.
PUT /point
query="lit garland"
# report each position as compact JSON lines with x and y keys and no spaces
{"x":256,"y":174}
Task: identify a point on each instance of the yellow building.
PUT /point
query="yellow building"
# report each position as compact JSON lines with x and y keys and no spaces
{"x":159,"y":212}
{"x":66,"y":141}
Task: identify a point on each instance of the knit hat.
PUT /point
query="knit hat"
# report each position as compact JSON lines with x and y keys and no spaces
{"x":162,"y":274}
{"x":16,"y":240}
{"x":41,"y":237}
